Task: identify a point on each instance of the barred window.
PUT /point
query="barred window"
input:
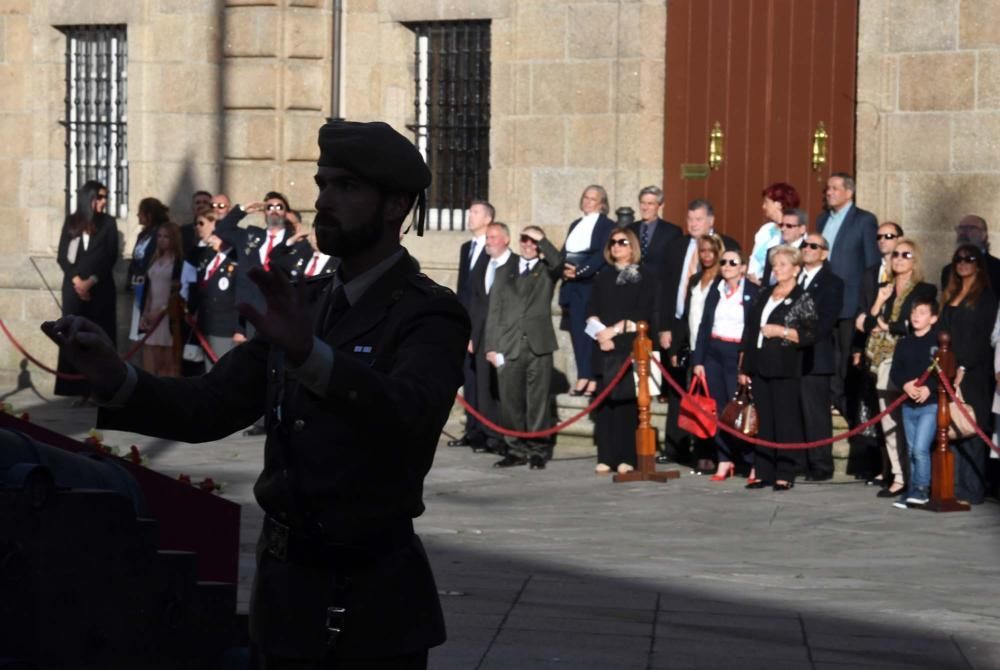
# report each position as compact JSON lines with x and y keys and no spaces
{"x":452,"y":107}
{"x":96,"y":118}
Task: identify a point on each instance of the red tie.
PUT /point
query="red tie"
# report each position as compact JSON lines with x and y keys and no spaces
{"x":215,"y":266}
{"x":267,"y":253}
{"x":311,"y":270}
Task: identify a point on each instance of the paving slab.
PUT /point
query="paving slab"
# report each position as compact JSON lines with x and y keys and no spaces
{"x":560,"y":568}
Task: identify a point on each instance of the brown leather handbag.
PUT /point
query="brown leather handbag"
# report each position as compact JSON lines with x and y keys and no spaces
{"x":740,"y":412}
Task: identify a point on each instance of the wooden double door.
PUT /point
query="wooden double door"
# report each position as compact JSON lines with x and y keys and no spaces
{"x":767,"y":78}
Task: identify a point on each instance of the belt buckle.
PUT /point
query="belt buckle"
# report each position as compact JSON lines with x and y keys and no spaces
{"x":334,"y":624}
{"x":277,"y":540}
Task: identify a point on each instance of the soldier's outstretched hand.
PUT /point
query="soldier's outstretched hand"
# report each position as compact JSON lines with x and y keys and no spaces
{"x":90,"y":350}
{"x":286,"y":322}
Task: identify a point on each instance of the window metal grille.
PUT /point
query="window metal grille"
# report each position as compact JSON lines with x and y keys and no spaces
{"x":452,"y":107}
{"x":96,"y":112}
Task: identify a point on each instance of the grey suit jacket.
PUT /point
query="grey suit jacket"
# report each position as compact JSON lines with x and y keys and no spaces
{"x":520,"y":313}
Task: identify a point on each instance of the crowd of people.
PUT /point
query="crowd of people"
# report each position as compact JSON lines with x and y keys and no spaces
{"x":836,"y":315}
{"x":833,"y":317}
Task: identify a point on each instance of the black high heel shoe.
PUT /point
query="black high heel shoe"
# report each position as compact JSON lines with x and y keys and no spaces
{"x":578,"y":391}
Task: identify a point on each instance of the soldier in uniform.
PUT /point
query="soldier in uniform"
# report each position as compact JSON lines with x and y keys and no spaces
{"x":356,"y":373}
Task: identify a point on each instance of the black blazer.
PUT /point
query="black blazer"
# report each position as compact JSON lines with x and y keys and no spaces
{"x":750,"y":291}
{"x":588,"y":263}
{"x":778,"y":357}
{"x":854,"y":249}
{"x":399,"y":351}
{"x":520,"y":306}
{"x":464,"y":272}
{"x":671,"y":279}
{"x":827,"y":291}
{"x":665,"y":234}
{"x":214,"y":299}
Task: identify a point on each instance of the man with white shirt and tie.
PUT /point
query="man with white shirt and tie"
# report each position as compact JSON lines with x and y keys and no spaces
{"x":519,"y":340}
{"x":827,"y":291}
{"x":472,"y":268}
{"x":498,"y":253}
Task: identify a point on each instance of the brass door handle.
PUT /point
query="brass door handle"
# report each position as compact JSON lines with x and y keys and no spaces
{"x":715,"y":147}
{"x":819,"y":146}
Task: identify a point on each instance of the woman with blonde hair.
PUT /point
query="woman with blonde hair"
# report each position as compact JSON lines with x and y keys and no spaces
{"x":887,"y":320}
{"x":624,"y":294}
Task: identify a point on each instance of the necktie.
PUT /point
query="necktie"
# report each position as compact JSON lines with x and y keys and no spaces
{"x":336,"y":310}
{"x":270,"y":247}
{"x":311,"y":269}
{"x":644,"y":237}
{"x":526,"y":269}
{"x":215,"y":266}
{"x":472,"y":253}
{"x":802,"y":278}
{"x":491,"y":273}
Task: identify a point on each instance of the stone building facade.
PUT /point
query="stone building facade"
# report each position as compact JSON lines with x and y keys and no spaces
{"x":226,"y":95}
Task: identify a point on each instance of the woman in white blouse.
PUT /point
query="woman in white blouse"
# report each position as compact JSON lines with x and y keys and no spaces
{"x":583,"y":258}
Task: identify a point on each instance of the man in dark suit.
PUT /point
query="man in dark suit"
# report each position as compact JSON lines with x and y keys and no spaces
{"x":498,"y":254}
{"x":519,"y":341}
{"x":357,"y":373}
{"x":681,"y":264}
{"x":827,"y":291}
{"x":972,"y":230}
{"x":472,"y":268}
{"x":850,"y":232}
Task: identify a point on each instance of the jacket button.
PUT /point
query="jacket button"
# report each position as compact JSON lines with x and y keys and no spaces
{"x":299,"y":424}
{"x":352,"y":395}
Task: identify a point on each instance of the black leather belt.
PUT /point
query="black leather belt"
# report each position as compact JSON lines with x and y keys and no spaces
{"x":318,"y":549}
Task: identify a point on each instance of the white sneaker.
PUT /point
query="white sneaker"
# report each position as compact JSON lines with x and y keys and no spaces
{"x":899,"y":504}
{"x":602,"y":469}
{"x":624,"y":467}
{"x":917,"y":499}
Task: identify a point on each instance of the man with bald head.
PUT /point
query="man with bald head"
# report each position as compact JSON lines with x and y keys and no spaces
{"x":972,"y":230}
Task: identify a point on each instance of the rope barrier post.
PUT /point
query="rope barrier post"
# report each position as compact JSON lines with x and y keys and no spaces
{"x":943,"y":461}
{"x":645,"y":436}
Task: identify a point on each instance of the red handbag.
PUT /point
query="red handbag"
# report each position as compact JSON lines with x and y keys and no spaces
{"x":698,"y":424}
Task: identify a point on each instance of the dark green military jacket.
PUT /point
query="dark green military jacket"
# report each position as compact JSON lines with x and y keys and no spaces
{"x":349,"y":463}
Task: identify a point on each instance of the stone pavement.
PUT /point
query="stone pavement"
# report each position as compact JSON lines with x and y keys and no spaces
{"x":562,"y":569}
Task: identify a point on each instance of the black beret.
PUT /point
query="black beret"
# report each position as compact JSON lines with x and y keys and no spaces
{"x":375,"y":151}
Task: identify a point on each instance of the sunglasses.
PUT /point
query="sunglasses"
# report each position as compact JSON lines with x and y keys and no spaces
{"x":219,"y":205}
{"x":525,"y":238}
{"x":201,"y":223}
{"x":731,"y":262}
{"x":887,"y":236}
{"x":902,"y":254}
{"x":786,"y":226}
{"x":966,"y":259}
{"x":276,"y":207}
{"x":621,"y":241}
{"x":101,"y":196}
{"x":815,"y":246}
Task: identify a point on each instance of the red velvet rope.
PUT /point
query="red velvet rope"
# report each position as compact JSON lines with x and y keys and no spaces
{"x":961,"y":408}
{"x":792,"y":445}
{"x":201,"y":339}
{"x":72,"y":377}
{"x":555,"y":429}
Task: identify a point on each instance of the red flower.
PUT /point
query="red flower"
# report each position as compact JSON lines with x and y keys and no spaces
{"x":184,"y":479}
{"x":25,"y":416}
{"x":134,"y":455}
{"x":207,"y":485}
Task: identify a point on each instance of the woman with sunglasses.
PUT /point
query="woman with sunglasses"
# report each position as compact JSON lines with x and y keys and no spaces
{"x":88,"y":251}
{"x":969,"y":309}
{"x":716,"y":353}
{"x":781,"y":324}
{"x":710,"y":249}
{"x":887,"y":320}
{"x":623,"y":294}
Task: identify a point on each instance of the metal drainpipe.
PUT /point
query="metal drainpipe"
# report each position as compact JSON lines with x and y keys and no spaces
{"x":338,"y":11}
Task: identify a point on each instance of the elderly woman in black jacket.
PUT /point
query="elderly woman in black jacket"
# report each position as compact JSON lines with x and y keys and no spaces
{"x":781,"y":323}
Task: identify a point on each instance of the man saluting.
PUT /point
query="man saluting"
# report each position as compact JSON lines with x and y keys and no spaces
{"x":355,"y":374}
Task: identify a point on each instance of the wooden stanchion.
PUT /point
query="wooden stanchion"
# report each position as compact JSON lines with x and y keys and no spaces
{"x":942,"y":461}
{"x":645,"y":436}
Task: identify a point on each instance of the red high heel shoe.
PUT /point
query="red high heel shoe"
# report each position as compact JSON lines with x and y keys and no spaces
{"x":726,"y":474}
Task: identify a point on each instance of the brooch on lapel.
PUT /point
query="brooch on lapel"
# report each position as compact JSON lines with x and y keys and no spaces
{"x":230,"y":268}
{"x":223,"y":283}
{"x":362,"y":348}
{"x":787,"y":301}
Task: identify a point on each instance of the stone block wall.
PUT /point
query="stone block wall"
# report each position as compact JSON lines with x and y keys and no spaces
{"x":928,"y":117}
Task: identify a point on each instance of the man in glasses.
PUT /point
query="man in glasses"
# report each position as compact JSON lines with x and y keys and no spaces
{"x":827,"y":291}
{"x":972,"y":230}
{"x":850,"y":232}
{"x":201,"y":202}
{"x":793,"y":233}
{"x":519,"y":341}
